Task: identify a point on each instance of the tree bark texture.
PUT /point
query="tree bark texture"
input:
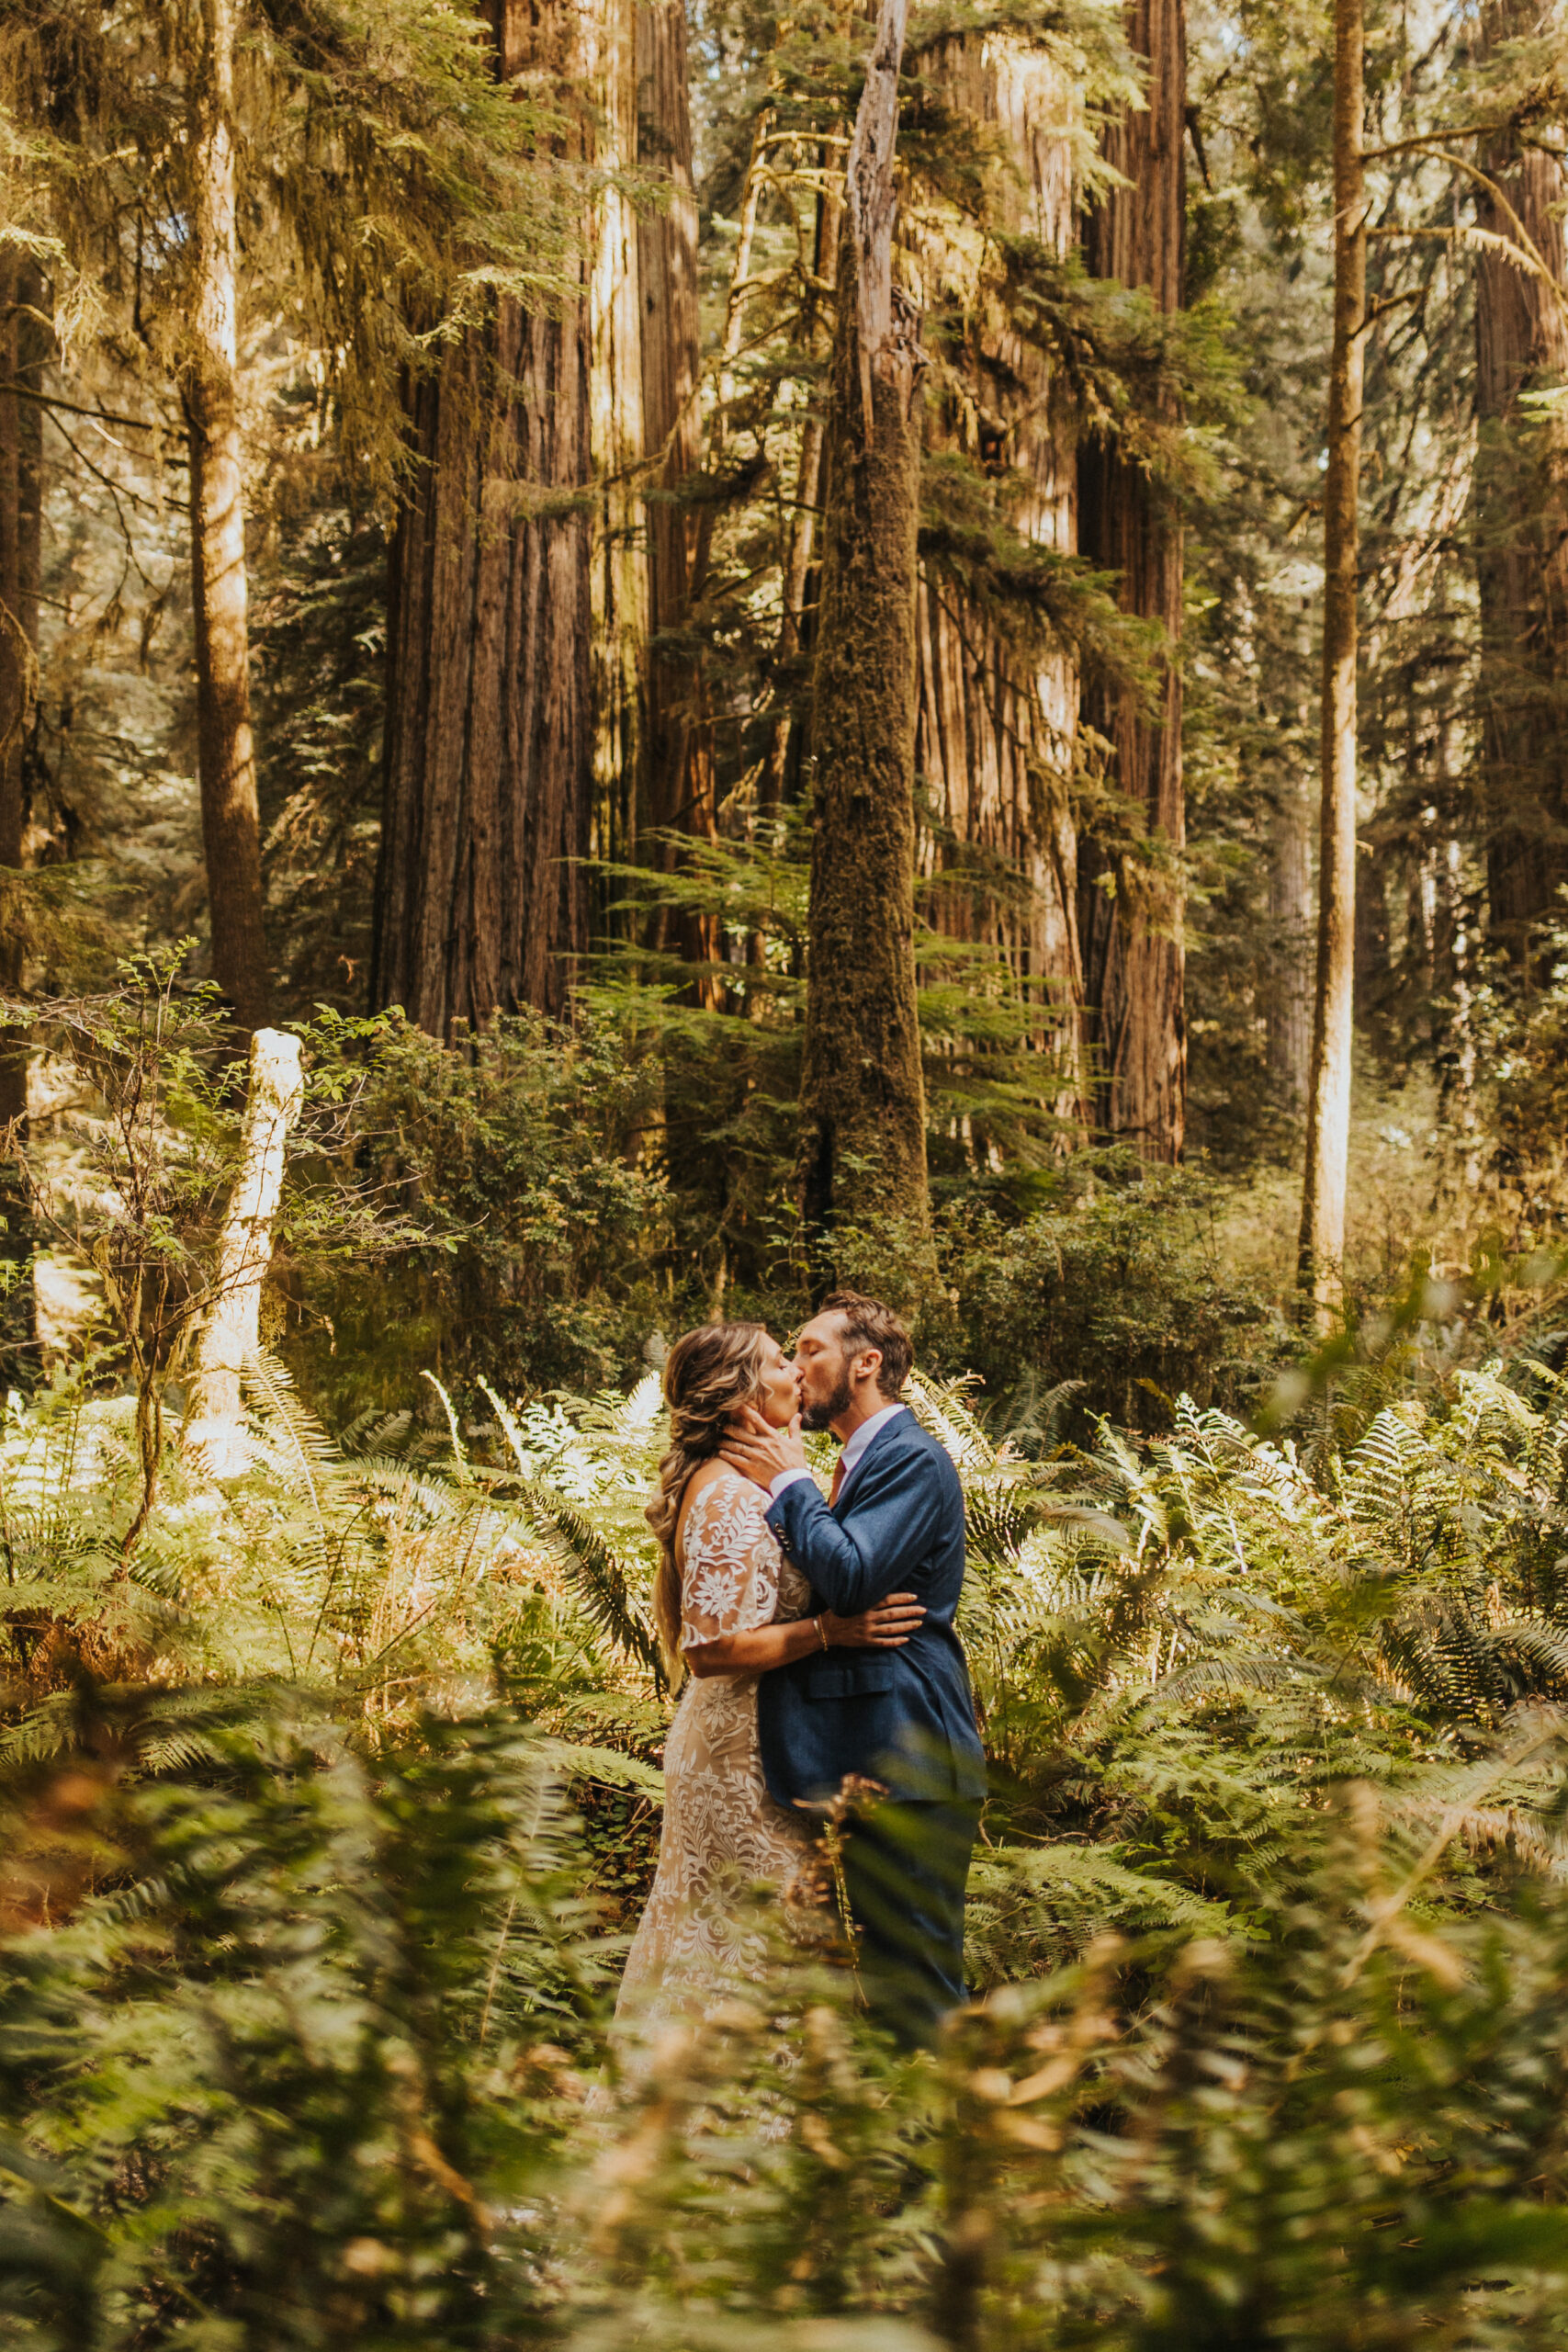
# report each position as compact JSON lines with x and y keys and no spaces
{"x":231,"y":1330}
{"x":620,"y":586}
{"x":230,"y":823}
{"x":655,"y":752}
{"x":863,"y":1140}
{"x":790,"y":734}
{"x":1322,"y":1258}
{"x":995,"y":743}
{"x":1520,"y":519}
{"x":24,"y":343}
{"x":1289,"y":1008}
{"x":1129,"y":902}
{"x":480,"y":894}
{"x":680,"y":746}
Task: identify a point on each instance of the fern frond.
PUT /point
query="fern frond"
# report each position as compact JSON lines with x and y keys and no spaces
{"x":941,"y":1406}
{"x":458,"y":1456}
{"x":601,"y":1576}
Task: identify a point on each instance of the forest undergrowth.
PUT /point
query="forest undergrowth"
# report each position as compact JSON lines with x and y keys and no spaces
{"x":323,"y":1812}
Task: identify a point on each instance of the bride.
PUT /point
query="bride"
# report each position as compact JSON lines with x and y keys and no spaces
{"x":729,"y":1607}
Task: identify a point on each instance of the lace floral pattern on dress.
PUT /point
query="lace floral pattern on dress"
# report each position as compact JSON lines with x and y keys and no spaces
{"x":723,"y":1835}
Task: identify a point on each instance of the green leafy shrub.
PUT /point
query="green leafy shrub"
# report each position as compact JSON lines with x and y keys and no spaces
{"x":526,"y":1217}
{"x":1116,"y":1283}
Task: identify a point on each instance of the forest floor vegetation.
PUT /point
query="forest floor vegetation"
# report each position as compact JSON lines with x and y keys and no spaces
{"x":329,"y":1806}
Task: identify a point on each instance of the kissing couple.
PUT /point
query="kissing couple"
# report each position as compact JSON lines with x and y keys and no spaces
{"x":818,"y":1639}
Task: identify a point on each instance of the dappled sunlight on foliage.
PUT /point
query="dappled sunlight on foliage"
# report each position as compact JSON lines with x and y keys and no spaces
{"x":310,"y":1937}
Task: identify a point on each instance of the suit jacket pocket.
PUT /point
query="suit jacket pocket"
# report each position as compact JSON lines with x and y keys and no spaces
{"x":849,"y":1678}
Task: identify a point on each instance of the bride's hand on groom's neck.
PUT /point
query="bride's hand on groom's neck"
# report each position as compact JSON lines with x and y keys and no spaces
{"x":758,"y":1451}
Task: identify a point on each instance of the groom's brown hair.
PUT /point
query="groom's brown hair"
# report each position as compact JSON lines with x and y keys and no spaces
{"x":869,"y":1324}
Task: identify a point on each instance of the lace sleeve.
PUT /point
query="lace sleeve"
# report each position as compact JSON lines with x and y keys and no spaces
{"x":729,"y":1576}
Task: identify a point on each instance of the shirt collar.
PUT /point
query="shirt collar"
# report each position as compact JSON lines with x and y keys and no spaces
{"x":856,"y":1442}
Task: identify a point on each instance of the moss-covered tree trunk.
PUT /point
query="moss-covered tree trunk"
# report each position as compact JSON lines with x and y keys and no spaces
{"x":479,"y":901}
{"x":23,"y":345}
{"x":1520,"y":517}
{"x":863,"y":1139}
{"x":230,"y":822}
{"x":1130,"y":899}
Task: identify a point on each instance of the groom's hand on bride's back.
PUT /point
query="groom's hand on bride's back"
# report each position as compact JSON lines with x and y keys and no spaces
{"x":758,"y":1451}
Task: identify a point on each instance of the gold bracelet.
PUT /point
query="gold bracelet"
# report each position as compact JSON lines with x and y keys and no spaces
{"x":822,"y":1631}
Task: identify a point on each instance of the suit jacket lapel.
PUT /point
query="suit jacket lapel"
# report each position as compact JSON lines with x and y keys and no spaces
{"x":888,"y":1429}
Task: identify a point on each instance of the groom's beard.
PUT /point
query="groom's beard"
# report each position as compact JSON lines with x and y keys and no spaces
{"x":822,"y":1416}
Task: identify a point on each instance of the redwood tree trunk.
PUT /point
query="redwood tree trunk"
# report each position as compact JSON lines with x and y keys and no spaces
{"x":1321,"y":1273}
{"x":1521,"y":527}
{"x":995,"y":737}
{"x":863,"y":1140}
{"x":619,"y":582}
{"x":1130,"y":932}
{"x":679,"y":746}
{"x":481,"y":900}
{"x":231,"y":824}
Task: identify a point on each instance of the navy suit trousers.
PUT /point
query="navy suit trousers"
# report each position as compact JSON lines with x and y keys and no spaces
{"x":906,"y":1864}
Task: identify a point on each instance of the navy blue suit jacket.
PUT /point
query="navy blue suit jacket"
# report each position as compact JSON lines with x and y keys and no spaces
{"x":906,"y":1716}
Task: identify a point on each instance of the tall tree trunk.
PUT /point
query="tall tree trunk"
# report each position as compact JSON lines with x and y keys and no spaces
{"x":1131,"y":935}
{"x":995,"y":737}
{"x":1322,"y":1259}
{"x":679,"y":746}
{"x":653,"y":760}
{"x":231,"y":1330}
{"x":230,"y":823}
{"x":1521,"y":528}
{"x":1288,"y":1011}
{"x":481,"y":900}
{"x":863,"y":1140}
{"x":24,"y":347}
{"x":620,"y":552}
{"x":787,"y":742}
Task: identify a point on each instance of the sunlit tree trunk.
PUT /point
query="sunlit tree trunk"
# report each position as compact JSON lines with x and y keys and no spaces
{"x":1288,"y":1011}
{"x":231,"y":824}
{"x":680,"y":746}
{"x":995,"y":739}
{"x":790,"y":737}
{"x":1521,"y":526}
{"x":620,"y":588}
{"x":1131,"y":934}
{"x":654,"y":754}
{"x":863,"y":1143}
{"x":230,"y":1329}
{"x":1320,"y":1270}
{"x":489,"y":748}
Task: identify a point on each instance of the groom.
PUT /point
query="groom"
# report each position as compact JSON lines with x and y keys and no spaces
{"x":903,"y":1717}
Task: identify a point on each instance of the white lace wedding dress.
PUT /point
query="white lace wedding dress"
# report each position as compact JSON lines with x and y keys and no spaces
{"x":723,"y":1835}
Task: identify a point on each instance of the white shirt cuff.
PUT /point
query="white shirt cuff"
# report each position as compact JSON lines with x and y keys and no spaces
{"x":785,"y":1479}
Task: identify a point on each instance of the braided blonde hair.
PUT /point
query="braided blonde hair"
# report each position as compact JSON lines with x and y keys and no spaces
{"x":708,"y":1374}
